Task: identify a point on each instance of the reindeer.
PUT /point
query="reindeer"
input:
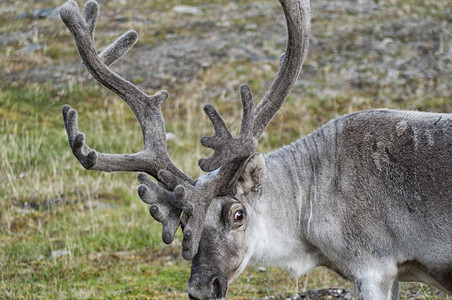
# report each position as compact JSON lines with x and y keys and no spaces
{"x":368,"y":195}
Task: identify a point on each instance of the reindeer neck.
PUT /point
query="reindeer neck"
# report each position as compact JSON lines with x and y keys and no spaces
{"x":292,"y":185}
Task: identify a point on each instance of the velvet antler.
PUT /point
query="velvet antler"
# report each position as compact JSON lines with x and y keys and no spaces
{"x":147,"y":109}
{"x":176,"y":193}
{"x":255,"y":120}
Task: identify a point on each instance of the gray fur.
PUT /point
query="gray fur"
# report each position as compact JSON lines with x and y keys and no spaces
{"x":368,"y":195}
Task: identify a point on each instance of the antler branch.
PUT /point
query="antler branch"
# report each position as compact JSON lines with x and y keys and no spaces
{"x":255,"y":120}
{"x":165,"y":199}
{"x":93,"y":160}
{"x":147,"y":109}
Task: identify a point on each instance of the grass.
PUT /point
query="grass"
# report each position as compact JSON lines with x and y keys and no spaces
{"x":109,"y":245}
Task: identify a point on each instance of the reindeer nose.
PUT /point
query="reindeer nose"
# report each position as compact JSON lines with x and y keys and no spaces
{"x":203,"y":287}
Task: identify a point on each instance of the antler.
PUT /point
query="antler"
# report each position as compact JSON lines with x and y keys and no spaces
{"x":255,"y":120}
{"x":176,"y":192}
{"x":147,"y":109}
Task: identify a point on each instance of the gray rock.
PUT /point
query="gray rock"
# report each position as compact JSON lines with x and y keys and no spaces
{"x":98,"y":205}
{"x":22,"y":15}
{"x":187,"y":9}
{"x":31,"y":48}
{"x":24,"y":211}
{"x":20,"y":37}
{"x":59,"y":253}
{"x":121,"y":19}
{"x":171,"y":137}
{"x":332,"y":293}
{"x":46,"y":13}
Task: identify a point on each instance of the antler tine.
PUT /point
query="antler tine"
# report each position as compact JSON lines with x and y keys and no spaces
{"x":165,"y":206}
{"x":226,"y":147}
{"x":255,"y":120}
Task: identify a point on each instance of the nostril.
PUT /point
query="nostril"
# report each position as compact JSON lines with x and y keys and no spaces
{"x":216,"y":288}
{"x":192,"y":298}
{"x":219,"y":288}
{"x":207,"y":287}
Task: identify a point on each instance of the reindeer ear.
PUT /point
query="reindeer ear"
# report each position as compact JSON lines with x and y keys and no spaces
{"x":254,"y":173}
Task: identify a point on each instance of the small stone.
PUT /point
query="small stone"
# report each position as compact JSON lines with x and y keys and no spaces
{"x":31,"y":48}
{"x":99,"y":205}
{"x":364,"y":2}
{"x":171,"y":136}
{"x":22,"y":15}
{"x":24,"y":211}
{"x":121,"y":19}
{"x":46,"y":13}
{"x":59,"y":253}
{"x":187,"y":9}
{"x":251,"y":26}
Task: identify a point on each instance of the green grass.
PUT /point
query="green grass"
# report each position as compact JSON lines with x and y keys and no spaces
{"x":49,"y":203}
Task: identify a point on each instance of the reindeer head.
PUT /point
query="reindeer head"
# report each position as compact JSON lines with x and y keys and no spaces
{"x":227,"y":238}
{"x":214,"y":211}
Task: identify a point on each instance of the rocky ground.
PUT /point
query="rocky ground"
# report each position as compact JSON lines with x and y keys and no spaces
{"x":385,"y":49}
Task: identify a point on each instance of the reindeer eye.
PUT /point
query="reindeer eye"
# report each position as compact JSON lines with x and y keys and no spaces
{"x":239,"y":216}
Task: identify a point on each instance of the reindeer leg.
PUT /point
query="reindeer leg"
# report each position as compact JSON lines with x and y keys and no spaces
{"x":395,"y":292}
{"x":377,"y":283}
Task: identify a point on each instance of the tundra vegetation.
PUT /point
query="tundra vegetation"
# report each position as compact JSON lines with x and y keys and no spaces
{"x":93,"y":237}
